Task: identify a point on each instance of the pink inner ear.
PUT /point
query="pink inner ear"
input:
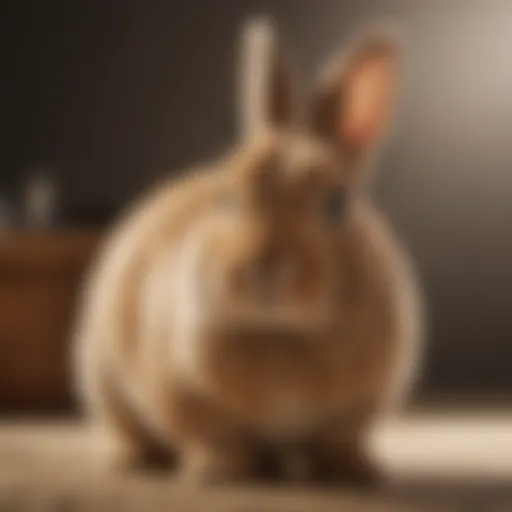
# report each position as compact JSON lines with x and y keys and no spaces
{"x":359,"y":132}
{"x":368,"y":98}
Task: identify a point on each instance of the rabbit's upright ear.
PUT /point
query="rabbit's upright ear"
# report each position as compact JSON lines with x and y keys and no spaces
{"x":356,"y":93}
{"x":267,"y":90}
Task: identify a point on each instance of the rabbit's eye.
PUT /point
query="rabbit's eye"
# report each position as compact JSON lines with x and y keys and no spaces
{"x":333,"y":206}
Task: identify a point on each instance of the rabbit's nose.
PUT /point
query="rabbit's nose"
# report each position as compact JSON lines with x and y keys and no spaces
{"x":269,"y":277}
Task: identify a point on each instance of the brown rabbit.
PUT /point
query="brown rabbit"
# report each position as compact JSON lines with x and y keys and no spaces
{"x":259,"y":310}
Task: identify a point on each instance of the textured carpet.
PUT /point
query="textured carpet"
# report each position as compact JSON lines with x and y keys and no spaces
{"x":434,"y":462}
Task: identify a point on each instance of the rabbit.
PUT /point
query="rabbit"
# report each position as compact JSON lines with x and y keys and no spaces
{"x":257,"y":315}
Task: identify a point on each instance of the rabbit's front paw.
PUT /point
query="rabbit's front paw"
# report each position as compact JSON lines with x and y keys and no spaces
{"x":217,"y":466}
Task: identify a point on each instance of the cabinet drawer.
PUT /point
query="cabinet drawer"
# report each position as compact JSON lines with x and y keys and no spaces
{"x":37,"y":310}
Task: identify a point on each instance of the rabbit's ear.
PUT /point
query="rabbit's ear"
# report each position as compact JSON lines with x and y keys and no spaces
{"x":356,"y":93}
{"x":268,"y":95}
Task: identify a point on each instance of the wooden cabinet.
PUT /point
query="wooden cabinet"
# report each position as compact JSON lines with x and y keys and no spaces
{"x":40,"y":275}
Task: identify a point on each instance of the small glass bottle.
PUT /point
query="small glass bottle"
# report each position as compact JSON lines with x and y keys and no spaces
{"x":40,"y":198}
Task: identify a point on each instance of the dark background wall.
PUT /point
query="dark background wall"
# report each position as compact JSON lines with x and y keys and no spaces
{"x":113,"y":94}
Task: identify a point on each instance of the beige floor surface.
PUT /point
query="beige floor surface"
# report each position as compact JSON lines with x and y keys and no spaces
{"x":434,"y":462}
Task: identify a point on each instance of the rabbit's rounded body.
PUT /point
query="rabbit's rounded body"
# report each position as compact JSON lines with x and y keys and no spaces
{"x":180,"y":347}
{"x":179,"y":383}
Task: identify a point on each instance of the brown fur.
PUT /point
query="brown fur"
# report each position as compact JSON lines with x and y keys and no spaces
{"x":309,"y":390}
